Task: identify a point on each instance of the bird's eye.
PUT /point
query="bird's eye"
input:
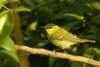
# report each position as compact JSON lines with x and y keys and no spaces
{"x":49,"y":27}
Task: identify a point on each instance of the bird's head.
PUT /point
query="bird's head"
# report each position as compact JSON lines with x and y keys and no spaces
{"x":51,"y":28}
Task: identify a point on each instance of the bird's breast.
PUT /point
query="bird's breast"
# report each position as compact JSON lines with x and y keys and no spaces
{"x":62,"y":44}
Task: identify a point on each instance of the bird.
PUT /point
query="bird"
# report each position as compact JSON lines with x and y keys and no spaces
{"x":61,"y":37}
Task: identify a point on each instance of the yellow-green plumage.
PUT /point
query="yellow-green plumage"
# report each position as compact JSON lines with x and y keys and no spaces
{"x":62,"y":38}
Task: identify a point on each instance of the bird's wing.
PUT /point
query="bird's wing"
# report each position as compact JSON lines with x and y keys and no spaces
{"x":67,"y":36}
{"x":63,"y":36}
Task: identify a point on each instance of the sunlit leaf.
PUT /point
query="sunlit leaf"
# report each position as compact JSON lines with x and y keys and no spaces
{"x":33,"y":26}
{"x":93,"y":4}
{"x":97,"y":51}
{"x":2,"y":22}
{"x":2,"y":2}
{"x":96,"y":4}
{"x":21,"y":8}
{"x":72,"y":15}
{"x":6,"y":23}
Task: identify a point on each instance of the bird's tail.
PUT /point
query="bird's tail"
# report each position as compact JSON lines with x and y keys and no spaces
{"x":86,"y":40}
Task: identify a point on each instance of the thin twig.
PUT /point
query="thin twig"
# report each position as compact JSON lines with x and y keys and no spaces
{"x":58,"y":55}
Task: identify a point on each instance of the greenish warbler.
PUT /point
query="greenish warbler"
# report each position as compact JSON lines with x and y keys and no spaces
{"x":61,"y":37}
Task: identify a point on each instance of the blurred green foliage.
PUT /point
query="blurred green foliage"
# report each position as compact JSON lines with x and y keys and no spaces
{"x":81,"y":17}
{"x":8,"y":53}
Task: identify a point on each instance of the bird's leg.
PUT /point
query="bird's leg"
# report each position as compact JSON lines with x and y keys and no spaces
{"x":55,"y":50}
{"x":68,"y":50}
{"x":60,"y":50}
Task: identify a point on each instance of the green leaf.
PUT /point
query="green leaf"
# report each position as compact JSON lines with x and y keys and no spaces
{"x":96,"y":4}
{"x":6,"y":23}
{"x":8,"y":54}
{"x":81,"y":5}
{"x":51,"y":61}
{"x":94,"y":29}
{"x":71,"y":24}
{"x":92,"y":4}
{"x":61,"y":63}
{"x":33,"y":25}
{"x":70,"y":15}
{"x":93,"y":36}
{"x":7,"y":44}
{"x":89,"y":53}
{"x":28,"y":3}
{"x":97,"y":51}
{"x":80,"y":17}
{"x":71,"y":1}
{"x":22,"y":8}
{"x":96,"y":19}
{"x":2,"y":21}
{"x":88,"y":3}
{"x":76,"y":64}
{"x":2,"y":2}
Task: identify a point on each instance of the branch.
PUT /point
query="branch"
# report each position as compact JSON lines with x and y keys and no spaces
{"x":18,"y":36}
{"x":57,"y":55}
